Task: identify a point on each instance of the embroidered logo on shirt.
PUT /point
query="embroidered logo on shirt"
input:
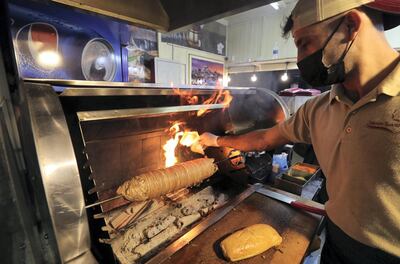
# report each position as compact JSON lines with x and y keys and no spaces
{"x":396,"y":115}
{"x":391,"y":125}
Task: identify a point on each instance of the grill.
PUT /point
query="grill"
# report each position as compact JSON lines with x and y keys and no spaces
{"x":87,"y":138}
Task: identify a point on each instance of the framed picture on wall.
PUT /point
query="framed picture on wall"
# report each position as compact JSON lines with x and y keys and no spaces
{"x":204,"y":71}
{"x":140,"y":47}
{"x":210,"y":37}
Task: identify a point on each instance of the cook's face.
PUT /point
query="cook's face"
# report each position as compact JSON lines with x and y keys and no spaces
{"x":309,"y":39}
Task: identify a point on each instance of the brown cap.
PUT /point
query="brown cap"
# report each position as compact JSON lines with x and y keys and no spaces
{"x":308,"y":12}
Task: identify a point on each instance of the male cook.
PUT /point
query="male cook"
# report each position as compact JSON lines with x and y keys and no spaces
{"x":354,"y":128}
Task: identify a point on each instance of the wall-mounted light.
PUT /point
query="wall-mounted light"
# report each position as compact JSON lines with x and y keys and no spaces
{"x":253,"y":78}
{"x":49,"y":59}
{"x":226,"y":80}
{"x":285,"y":76}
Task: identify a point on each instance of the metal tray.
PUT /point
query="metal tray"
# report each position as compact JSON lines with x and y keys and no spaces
{"x":293,"y":185}
{"x":296,"y":227}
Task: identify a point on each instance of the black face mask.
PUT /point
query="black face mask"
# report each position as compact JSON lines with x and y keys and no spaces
{"x":315,"y":73}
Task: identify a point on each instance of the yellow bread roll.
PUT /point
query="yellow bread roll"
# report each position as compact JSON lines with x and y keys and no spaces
{"x":250,"y":241}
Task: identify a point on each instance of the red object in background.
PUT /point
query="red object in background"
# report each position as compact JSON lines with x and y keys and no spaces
{"x":389,"y":6}
{"x":42,"y":37}
{"x":299,"y":92}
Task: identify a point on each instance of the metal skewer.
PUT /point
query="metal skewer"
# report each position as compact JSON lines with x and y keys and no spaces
{"x":136,"y":216}
{"x":120,"y":196}
{"x":104,"y":201}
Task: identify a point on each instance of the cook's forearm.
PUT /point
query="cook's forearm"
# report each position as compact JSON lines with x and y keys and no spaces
{"x":259,"y":140}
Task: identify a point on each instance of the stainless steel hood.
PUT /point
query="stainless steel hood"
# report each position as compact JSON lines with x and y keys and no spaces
{"x":166,"y":15}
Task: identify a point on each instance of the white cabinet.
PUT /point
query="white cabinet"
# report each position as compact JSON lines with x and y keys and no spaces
{"x":252,"y":35}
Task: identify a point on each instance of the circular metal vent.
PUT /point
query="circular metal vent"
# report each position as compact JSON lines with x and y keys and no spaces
{"x":98,"y":61}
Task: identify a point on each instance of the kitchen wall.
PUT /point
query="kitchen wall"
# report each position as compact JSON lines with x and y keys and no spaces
{"x":271,"y":80}
{"x":211,"y":37}
{"x":253,"y":35}
{"x":181,"y":54}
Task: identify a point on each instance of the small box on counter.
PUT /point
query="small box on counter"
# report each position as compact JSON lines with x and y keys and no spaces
{"x":297,"y":177}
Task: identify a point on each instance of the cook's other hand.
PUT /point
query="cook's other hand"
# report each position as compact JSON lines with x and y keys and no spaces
{"x":209,"y":140}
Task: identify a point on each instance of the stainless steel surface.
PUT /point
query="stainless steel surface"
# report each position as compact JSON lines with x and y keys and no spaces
{"x":142,"y":112}
{"x":122,"y":91}
{"x":85,"y":258}
{"x":197,"y":230}
{"x":283,"y":104}
{"x":134,"y":150}
{"x":261,"y":110}
{"x":296,"y":228}
{"x":287,"y":197}
{"x":277,"y":196}
{"x":94,"y":84}
{"x":150,"y":90}
{"x":166,"y":15}
{"x":148,"y":13}
{"x":53,"y":164}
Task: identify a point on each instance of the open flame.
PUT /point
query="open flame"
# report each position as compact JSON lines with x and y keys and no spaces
{"x":220,"y":96}
{"x":169,"y":147}
{"x":185,"y":138}
{"x":191,"y":138}
{"x":187,"y":96}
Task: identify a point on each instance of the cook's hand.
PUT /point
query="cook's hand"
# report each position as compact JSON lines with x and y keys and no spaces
{"x":208,"y":140}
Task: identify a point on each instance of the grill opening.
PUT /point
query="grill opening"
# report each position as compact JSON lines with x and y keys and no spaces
{"x":116,"y":138}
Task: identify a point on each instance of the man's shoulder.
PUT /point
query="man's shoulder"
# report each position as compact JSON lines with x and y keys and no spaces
{"x":319,"y":100}
{"x":323,"y":96}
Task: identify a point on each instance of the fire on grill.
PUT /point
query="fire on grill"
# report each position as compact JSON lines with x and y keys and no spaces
{"x":182,"y":209}
{"x":162,"y":207}
{"x":141,"y":228}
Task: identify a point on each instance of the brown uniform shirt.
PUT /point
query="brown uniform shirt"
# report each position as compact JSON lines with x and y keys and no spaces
{"x":358,"y":148}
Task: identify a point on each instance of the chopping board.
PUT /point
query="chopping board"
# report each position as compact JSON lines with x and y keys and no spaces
{"x":297,"y":229}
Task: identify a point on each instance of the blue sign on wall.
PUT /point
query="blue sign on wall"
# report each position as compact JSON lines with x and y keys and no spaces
{"x":53,"y":41}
